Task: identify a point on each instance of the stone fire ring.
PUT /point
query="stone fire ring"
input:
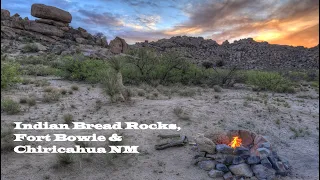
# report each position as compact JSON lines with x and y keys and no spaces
{"x":253,"y":159}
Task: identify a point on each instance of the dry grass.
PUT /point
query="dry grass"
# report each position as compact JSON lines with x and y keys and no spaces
{"x":181,"y":114}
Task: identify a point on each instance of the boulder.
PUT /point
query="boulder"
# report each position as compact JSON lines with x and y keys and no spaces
{"x":262,"y":172}
{"x":224,"y":149}
{"x":228,"y":176}
{"x":65,"y":29}
{"x":246,"y":138}
{"x":222,"y":167}
{"x":50,"y":12}
{"x":13,"y":24}
{"x":5,"y":14}
{"x":204,"y":144}
{"x":241,"y":170}
{"x":44,"y":29}
{"x":215,"y":173}
{"x":207,"y":165}
{"x":80,"y":40}
{"x":118,"y":45}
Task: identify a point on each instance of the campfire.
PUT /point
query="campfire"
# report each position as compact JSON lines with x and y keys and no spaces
{"x":239,"y":154}
{"x":236,"y":142}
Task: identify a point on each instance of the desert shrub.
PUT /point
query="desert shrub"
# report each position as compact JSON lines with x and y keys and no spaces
{"x":68,"y":118}
{"x":39,"y":70}
{"x":217,"y":88}
{"x":80,"y":68}
{"x":48,"y":89}
{"x":180,"y":113}
{"x":63,"y":91}
{"x":110,"y":85}
{"x":9,"y":74}
{"x":52,"y":96}
{"x":295,"y":75}
{"x":269,"y":81}
{"x":65,"y":158}
{"x":141,"y":92}
{"x":34,"y":60}
{"x":31,"y":101}
{"x":83,"y":144}
{"x":188,"y":92}
{"x":74,"y":87}
{"x":41,"y":83}
{"x":127,"y":93}
{"x":313,"y":76}
{"x":141,"y":63}
{"x":116,"y":63}
{"x":145,"y":66}
{"x":220,"y":63}
{"x":10,"y":106}
{"x":26,"y":81}
{"x":7,"y":137}
{"x":98,"y":105}
{"x":23,"y":100}
{"x":207,"y":64}
{"x":30,"y":48}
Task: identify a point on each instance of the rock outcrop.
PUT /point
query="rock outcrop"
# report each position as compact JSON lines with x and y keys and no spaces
{"x":118,"y":45}
{"x":245,"y":53}
{"x":52,"y":30}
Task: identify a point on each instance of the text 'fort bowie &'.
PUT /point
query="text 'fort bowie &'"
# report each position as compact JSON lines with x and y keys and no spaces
{"x":83,"y":125}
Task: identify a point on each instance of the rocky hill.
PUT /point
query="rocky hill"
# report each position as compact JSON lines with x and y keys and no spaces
{"x":51,"y":33}
{"x":245,"y":53}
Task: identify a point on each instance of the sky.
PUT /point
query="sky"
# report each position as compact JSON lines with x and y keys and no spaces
{"x":285,"y":22}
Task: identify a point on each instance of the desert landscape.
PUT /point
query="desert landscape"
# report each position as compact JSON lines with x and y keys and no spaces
{"x":51,"y":72}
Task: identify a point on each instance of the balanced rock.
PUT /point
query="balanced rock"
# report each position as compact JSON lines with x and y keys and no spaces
{"x":50,"y":12}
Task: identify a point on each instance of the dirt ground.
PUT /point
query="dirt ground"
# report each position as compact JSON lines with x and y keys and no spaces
{"x":268,"y":114}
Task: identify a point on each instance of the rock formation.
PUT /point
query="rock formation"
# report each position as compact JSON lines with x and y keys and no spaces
{"x":245,"y":53}
{"x":118,"y":45}
{"x":50,"y":12}
{"x":52,"y":30}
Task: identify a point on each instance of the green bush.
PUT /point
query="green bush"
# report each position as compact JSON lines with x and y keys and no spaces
{"x":39,"y":70}
{"x":7,"y":138}
{"x":10,"y":106}
{"x":9,"y":74}
{"x":271,"y":81}
{"x":81,"y":68}
{"x":30,"y":48}
{"x":110,"y":85}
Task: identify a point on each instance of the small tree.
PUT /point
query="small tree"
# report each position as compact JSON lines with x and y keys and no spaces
{"x":145,"y":60}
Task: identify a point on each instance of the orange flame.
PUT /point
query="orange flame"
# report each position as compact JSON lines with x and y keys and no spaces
{"x":236,"y":142}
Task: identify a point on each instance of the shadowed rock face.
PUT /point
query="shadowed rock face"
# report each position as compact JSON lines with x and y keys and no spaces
{"x":50,"y":12}
{"x":118,"y":45}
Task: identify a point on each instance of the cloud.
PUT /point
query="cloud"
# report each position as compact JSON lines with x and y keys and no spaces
{"x":141,"y":3}
{"x":300,"y":38}
{"x":263,"y":20}
{"x":104,"y":19}
{"x":148,"y":21}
